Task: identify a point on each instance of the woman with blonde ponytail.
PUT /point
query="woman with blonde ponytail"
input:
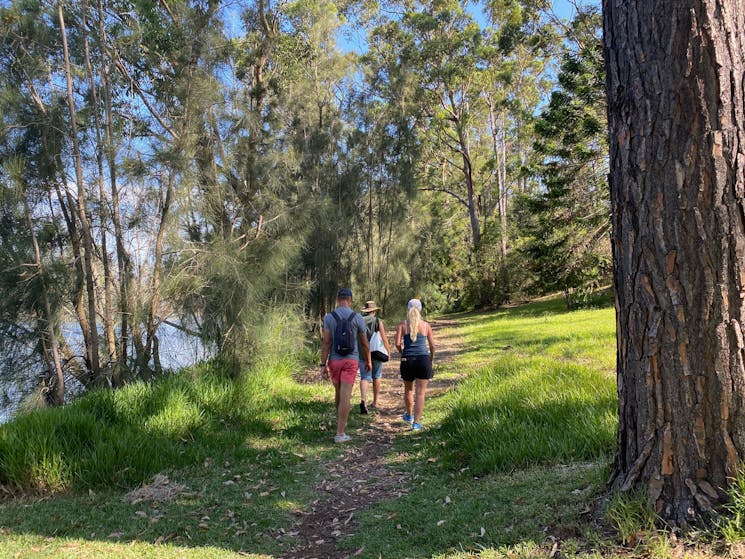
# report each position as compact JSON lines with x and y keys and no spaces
{"x":412,"y":337}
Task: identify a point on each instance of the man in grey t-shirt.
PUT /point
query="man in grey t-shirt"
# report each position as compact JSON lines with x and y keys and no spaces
{"x":343,"y":368}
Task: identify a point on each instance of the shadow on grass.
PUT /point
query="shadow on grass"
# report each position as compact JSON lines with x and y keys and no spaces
{"x":239,"y":505}
{"x":447,"y":512}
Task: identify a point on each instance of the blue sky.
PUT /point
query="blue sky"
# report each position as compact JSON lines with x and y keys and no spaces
{"x":355,"y":41}
{"x":564,"y":8}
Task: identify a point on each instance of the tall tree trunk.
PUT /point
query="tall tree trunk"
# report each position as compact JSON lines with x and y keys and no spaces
{"x":152,"y":319}
{"x":502,"y":171}
{"x":108,"y":313}
{"x":92,"y":335}
{"x":124,"y":262}
{"x":500,"y":156}
{"x":473,"y":208}
{"x":49,"y":336}
{"x":676,"y":109}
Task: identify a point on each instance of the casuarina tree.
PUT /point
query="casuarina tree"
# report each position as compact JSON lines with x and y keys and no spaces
{"x":676,"y":104}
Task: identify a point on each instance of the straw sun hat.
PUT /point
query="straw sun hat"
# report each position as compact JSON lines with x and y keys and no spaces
{"x":370,"y":306}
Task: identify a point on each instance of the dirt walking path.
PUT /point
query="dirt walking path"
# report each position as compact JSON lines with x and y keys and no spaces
{"x":361,"y":476}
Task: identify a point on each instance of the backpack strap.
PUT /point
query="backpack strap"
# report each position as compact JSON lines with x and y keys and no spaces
{"x":338,"y":319}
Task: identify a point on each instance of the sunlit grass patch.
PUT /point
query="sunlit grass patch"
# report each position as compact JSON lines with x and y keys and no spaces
{"x":541,"y":330}
{"x":122,"y":437}
{"x":38,"y":547}
{"x":539,"y":389}
{"x":527,"y":411}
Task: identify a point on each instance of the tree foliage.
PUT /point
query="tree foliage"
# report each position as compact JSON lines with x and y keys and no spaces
{"x":568,"y":220}
{"x":210,"y":163}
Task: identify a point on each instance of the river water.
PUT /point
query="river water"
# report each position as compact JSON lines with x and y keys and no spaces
{"x":20,"y":370}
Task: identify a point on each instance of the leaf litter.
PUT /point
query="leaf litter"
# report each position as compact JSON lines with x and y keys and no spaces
{"x":160,"y":489}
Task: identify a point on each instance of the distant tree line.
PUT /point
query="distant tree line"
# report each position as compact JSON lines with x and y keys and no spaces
{"x":218,"y":166}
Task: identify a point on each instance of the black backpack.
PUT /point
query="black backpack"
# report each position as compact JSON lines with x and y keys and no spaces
{"x":344,"y":334}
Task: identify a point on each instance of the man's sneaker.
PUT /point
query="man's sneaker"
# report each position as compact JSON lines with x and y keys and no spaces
{"x":416,"y":426}
{"x":363,"y":408}
{"x":408,"y":418}
{"x":341,"y":438}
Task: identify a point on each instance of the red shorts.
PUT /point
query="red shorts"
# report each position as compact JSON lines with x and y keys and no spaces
{"x":343,"y":370}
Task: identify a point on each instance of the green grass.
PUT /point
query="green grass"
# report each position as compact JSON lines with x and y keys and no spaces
{"x":631,"y":514}
{"x":527,"y":411}
{"x":520,"y":447}
{"x":514,"y":454}
{"x":120,"y":438}
{"x":37,"y":547}
{"x":443,"y":513}
{"x":540,"y":390}
{"x":247,"y":451}
{"x":236,"y":506}
{"x":732,"y":526}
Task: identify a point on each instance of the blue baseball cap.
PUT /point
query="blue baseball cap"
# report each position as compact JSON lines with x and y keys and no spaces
{"x":414,"y":303}
{"x":344,"y":293}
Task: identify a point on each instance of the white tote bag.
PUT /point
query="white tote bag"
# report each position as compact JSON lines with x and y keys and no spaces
{"x":377,"y":348}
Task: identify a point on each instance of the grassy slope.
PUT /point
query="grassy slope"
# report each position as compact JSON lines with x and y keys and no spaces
{"x":524,"y":440}
{"x":544,"y":391}
{"x":241,"y":449}
{"x":511,"y":456}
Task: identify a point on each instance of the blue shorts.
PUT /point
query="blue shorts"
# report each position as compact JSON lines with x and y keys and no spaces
{"x":375,"y":373}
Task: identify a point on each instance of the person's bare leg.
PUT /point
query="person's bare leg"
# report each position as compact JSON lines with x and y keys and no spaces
{"x":336,"y":397}
{"x":408,"y":396}
{"x":363,"y":390}
{"x":420,"y":390}
{"x":342,"y":411}
{"x":376,"y":391}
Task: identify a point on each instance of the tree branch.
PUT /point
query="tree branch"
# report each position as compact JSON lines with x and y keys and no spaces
{"x":120,"y":66}
{"x":446,"y":191}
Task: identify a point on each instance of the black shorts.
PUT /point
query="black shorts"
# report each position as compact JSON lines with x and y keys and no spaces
{"x":416,"y":367}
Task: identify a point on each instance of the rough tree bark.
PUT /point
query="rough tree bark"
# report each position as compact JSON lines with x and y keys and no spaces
{"x":677,"y":123}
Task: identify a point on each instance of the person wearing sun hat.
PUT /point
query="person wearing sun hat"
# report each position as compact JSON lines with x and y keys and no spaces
{"x":412,"y":337}
{"x":342,"y":366}
{"x":372,"y":324}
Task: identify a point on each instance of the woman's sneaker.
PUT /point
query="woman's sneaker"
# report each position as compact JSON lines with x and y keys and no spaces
{"x":341,"y":438}
{"x":416,"y":427}
{"x":408,"y":418}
